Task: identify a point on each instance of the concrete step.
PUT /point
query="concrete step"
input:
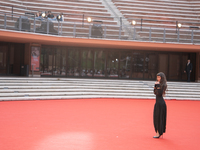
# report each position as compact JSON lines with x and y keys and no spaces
{"x":69,"y":88}
{"x":73,"y":93}
{"x":69,"y":91}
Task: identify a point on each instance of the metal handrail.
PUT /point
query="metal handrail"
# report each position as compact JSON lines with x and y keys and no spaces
{"x":86,"y":30}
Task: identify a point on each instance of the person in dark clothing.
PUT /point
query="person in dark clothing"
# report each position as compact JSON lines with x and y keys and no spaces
{"x":50,"y":15}
{"x":160,"y":108}
{"x":188,"y":69}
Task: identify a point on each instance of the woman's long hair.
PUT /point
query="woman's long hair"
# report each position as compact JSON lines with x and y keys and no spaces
{"x":163,"y":81}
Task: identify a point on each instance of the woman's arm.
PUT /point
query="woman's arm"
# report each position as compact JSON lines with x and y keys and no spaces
{"x":157,"y":90}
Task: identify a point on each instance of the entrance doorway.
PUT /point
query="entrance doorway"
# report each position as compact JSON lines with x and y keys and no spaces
{"x":3,"y":59}
{"x":11,"y":58}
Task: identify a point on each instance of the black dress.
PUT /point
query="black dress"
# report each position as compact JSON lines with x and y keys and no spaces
{"x":160,"y":111}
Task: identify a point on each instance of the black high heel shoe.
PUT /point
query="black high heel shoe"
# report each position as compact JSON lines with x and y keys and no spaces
{"x":158,"y":136}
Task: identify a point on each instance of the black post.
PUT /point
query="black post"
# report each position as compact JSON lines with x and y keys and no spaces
{"x":61,"y":28}
{"x":5,"y":19}
{"x":164,"y":36}
{"x":34,"y":25}
{"x":104,"y":31}
{"x":58,"y":27}
{"x":74,"y":30}
{"x":83,"y":21}
{"x":47,"y":26}
{"x":121,"y":22}
{"x":12,"y":12}
{"x":134,"y":33}
{"x":120,"y":28}
{"x":150,"y":34}
{"x":20,"y":23}
{"x":178,"y":36}
{"x":192,"y":36}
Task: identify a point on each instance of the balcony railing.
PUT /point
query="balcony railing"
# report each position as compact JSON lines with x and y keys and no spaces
{"x":144,"y":30}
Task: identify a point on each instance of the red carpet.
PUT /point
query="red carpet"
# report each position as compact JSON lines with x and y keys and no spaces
{"x":96,"y":124}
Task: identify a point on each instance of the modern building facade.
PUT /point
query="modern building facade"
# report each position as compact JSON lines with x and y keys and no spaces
{"x":50,"y":56}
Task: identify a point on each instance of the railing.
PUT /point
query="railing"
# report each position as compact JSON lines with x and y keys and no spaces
{"x":84,"y":29}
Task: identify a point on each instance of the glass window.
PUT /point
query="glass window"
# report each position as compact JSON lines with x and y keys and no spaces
{"x":125,"y":65}
{"x":174,"y":67}
{"x":73,"y":61}
{"x":87,"y":63}
{"x":150,"y":66}
{"x":112,"y":64}
{"x":46,"y":61}
{"x":137,"y":65}
{"x":99,"y":63}
{"x":184,"y":62}
{"x":198,"y":67}
{"x":60,"y":62}
{"x":163,"y":64}
{"x":3,"y":59}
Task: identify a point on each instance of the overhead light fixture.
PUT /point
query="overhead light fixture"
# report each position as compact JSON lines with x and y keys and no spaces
{"x":133,"y":22}
{"x":179,"y":25}
{"x":59,"y":16}
{"x":43,"y":15}
{"x":89,"y":19}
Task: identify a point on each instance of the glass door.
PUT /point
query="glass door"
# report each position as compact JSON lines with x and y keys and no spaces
{"x":87,"y":63}
{"x":112,"y":64}
{"x":150,"y":66}
{"x":183,"y":65}
{"x":99,"y":63}
{"x":125,"y":65}
{"x":163,"y":64}
{"x":174,"y":67}
{"x":60,"y":62}
{"x":46,"y":61}
{"x":73,"y":62}
{"x":3,"y":59}
{"x":137,"y":65}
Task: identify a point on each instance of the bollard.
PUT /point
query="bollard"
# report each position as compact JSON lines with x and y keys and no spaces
{"x":32,"y":70}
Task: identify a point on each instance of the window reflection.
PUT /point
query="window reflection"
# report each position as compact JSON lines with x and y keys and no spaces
{"x":99,"y":63}
{"x":163,"y":64}
{"x":174,"y":67}
{"x":46,"y":61}
{"x":150,"y":67}
{"x":60,"y":62}
{"x":112,"y":64}
{"x":86,"y":63}
{"x":125,"y":65}
{"x":73,"y":63}
{"x":53,"y":62}
{"x":137,"y":65}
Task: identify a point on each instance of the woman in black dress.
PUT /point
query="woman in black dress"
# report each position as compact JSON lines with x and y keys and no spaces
{"x":160,"y":110}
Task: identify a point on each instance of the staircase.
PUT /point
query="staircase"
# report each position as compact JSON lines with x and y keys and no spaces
{"x":159,"y":19}
{"x":69,"y":88}
{"x":75,"y":16}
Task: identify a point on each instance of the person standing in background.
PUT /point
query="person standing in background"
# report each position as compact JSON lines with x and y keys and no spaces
{"x":188,"y":70}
